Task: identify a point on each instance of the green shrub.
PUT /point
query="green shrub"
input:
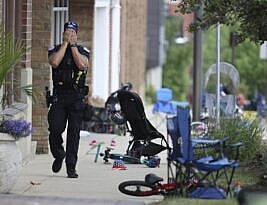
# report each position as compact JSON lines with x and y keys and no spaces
{"x":246,"y":131}
{"x":261,"y":160}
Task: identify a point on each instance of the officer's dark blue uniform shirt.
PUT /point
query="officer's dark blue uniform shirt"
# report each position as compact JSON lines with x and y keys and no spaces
{"x":65,"y":74}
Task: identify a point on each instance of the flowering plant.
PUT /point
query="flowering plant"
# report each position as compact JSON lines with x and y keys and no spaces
{"x":17,"y":128}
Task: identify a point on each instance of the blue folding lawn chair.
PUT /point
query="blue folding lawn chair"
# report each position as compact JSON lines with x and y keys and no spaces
{"x":198,"y":177}
{"x":163,"y":101}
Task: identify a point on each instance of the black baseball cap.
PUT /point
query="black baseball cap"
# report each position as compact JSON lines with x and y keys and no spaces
{"x":72,"y":25}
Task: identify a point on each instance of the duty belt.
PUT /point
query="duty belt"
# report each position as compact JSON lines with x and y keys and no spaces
{"x":63,"y":90}
{"x":71,"y":90}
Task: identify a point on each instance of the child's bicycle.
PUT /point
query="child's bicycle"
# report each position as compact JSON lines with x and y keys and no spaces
{"x":152,"y":161}
{"x":116,"y":156}
{"x":152,"y":185}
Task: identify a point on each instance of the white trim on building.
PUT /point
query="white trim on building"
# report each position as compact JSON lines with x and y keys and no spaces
{"x":106,"y":45}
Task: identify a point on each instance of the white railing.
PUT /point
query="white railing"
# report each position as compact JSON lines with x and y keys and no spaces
{"x":60,"y":16}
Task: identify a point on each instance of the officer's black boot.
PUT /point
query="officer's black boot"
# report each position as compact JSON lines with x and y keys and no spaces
{"x":72,"y":173}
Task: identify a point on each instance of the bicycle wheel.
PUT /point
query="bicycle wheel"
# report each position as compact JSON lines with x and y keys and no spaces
{"x":126,"y":158}
{"x":137,"y":188}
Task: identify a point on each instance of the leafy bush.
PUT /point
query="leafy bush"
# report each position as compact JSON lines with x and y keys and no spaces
{"x":246,"y":131}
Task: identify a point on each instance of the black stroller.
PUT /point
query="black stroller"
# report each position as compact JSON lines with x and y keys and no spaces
{"x":102,"y":120}
{"x":143,"y":132}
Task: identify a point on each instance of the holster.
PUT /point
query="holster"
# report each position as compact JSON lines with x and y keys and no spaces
{"x":83,"y":90}
{"x":49,"y":98}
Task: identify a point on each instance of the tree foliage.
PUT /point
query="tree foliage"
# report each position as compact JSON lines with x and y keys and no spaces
{"x":245,"y":57}
{"x":249,"y":17}
{"x":176,"y":73}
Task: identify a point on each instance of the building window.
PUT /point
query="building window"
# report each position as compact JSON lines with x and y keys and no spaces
{"x":61,"y":15}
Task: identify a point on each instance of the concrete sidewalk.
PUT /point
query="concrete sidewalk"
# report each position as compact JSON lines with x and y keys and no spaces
{"x":97,"y":182}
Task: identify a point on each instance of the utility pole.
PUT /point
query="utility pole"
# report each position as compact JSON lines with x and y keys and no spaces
{"x":197,"y":67}
{"x":218,"y":70}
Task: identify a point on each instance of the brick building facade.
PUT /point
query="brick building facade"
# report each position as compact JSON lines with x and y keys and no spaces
{"x":33,"y":22}
{"x":16,"y":19}
{"x":42,"y":20}
{"x":133,"y":43}
{"x":132,"y":57}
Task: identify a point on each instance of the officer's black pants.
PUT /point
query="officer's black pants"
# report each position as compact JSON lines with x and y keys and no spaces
{"x":66,"y":111}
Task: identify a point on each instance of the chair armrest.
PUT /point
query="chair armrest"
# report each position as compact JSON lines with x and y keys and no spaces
{"x":235,"y":146}
{"x":238,"y":144}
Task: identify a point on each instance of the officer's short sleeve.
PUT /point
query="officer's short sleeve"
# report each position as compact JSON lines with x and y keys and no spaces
{"x":53,"y":50}
{"x":84,"y":51}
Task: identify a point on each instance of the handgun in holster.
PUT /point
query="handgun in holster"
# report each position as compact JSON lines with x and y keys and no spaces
{"x":48,"y":97}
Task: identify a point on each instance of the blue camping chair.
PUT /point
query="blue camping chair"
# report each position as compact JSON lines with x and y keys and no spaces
{"x":163,"y":102}
{"x":165,"y":105}
{"x":198,"y":177}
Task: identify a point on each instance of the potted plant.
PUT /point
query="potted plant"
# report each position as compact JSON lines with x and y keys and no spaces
{"x":16,"y":128}
{"x":10,"y":154}
{"x":11,"y":52}
{"x":11,"y":130}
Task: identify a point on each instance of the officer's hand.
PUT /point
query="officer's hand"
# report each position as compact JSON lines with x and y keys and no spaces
{"x":73,"y":38}
{"x":66,"y":36}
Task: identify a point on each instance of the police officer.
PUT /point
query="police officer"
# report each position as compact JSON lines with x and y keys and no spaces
{"x":69,"y":63}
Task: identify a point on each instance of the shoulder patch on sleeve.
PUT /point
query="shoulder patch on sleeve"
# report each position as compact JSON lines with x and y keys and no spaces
{"x":51,"y":48}
{"x":86,"y":49}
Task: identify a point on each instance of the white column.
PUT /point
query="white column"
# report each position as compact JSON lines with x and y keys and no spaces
{"x":100,"y":54}
{"x":115,"y":45}
{"x":25,"y":143}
